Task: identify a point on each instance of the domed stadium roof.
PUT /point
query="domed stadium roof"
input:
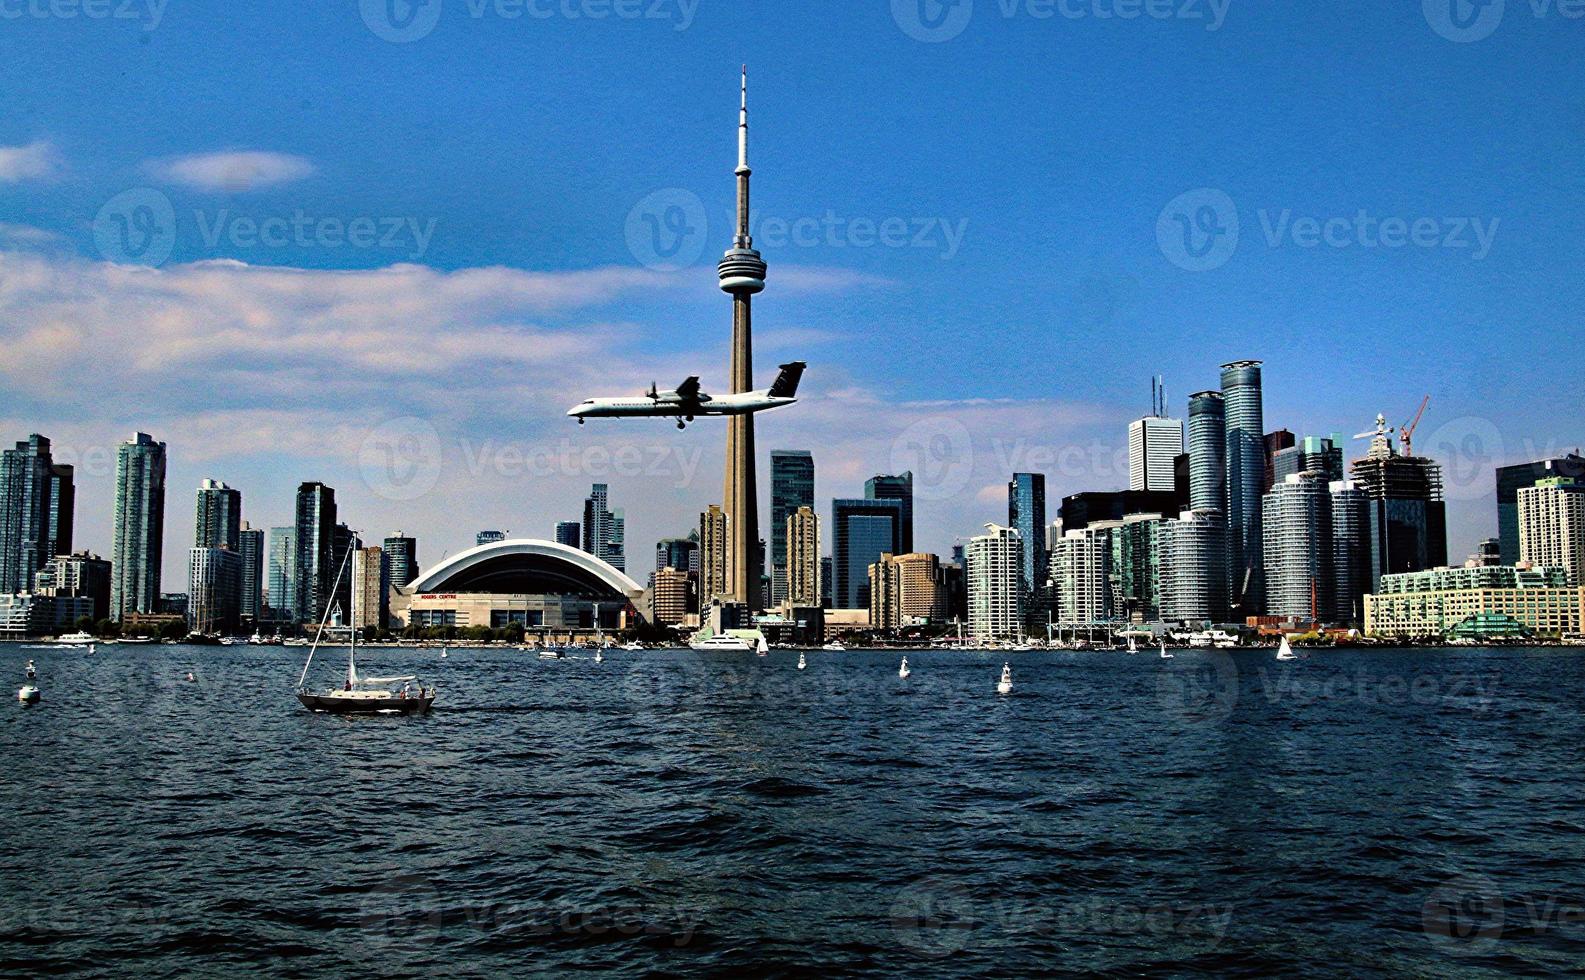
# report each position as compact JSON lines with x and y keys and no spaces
{"x":525,"y":566}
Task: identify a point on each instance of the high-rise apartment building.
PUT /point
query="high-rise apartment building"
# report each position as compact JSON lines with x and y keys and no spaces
{"x":217,"y":520}
{"x":77,"y":575}
{"x":250,"y":551}
{"x":1312,"y":454}
{"x":401,"y":560}
{"x":26,"y":506}
{"x":1081,"y":575}
{"x":314,"y":568}
{"x":1350,"y":551}
{"x":139,"y":536}
{"x":713,"y":546}
{"x":1406,"y":516}
{"x":1207,"y":452}
{"x":1194,"y":576}
{"x":792,"y":485}
{"x":604,"y":530}
{"x":1026,"y":514}
{"x":678,"y":553}
{"x":995,"y":584}
{"x":369,"y":607}
{"x":63,"y":505}
{"x":1297,"y":519}
{"x":672,"y":596}
{"x":214,"y":591}
{"x":283,"y":574}
{"x":803,"y":557}
{"x":1511,"y":478}
{"x":1246,"y":476}
{"x":569,"y":533}
{"x":1552,"y":526}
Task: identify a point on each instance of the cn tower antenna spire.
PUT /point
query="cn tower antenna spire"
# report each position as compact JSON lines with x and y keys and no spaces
{"x":742,"y":128}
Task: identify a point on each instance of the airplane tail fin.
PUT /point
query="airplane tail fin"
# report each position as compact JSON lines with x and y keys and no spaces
{"x":786,"y":385}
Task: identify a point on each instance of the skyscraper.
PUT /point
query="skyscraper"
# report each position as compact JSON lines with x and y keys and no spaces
{"x":678,"y":553}
{"x":1510,"y":479}
{"x":1406,"y":516}
{"x":1081,"y":573}
{"x":742,"y":274}
{"x":1194,"y":568}
{"x":25,"y":513}
{"x":314,"y":566}
{"x":995,"y":589}
{"x":63,"y":504}
{"x":344,"y":544}
{"x":1350,"y":551}
{"x":401,"y":560}
{"x":901,"y":489}
{"x":1271,"y":445}
{"x":214,"y":590}
{"x":139,"y":536}
{"x":283,"y":574}
{"x":1312,"y":454}
{"x":368,"y":595}
{"x":250,"y":548}
{"x":1299,"y":548}
{"x":1153,"y":443}
{"x":1207,"y":452}
{"x":792,"y":485}
{"x":217,"y":520}
{"x":603,"y":530}
{"x":1026,"y":514}
{"x":1135,"y":564}
{"x":803,"y":557}
{"x":861,"y":530}
{"x":1246,"y":476}
{"x":569,"y":533}
{"x":713,"y":548}
{"x":1552,"y":526}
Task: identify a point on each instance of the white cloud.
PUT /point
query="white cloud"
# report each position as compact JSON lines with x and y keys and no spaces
{"x":242,"y":170}
{"x":36,"y":159}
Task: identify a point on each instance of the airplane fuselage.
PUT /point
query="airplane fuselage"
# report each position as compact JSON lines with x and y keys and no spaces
{"x":641,"y":407}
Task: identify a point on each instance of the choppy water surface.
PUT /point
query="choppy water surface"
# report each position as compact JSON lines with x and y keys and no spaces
{"x":1382,"y":812}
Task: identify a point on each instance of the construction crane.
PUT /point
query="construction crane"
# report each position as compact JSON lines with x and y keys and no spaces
{"x":1406,"y":432}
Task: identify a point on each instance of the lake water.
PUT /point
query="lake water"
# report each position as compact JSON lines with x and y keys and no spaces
{"x":1362,"y":813}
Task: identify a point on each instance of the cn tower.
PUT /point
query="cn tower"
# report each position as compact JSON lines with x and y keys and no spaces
{"x":742,"y":275}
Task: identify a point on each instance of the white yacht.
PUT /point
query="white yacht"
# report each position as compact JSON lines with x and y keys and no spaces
{"x":835,"y":646}
{"x":77,"y":639}
{"x":723,"y":643}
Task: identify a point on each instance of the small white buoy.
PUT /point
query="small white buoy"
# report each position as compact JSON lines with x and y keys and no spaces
{"x":1005,"y":685}
{"x":903,"y":671}
{"x":445,"y":652}
{"x":1164,"y":654}
{"x":92,"y":647}
{"x":802,"y":663}
{"x":190,"y":678}
{"x":599,"y":658}
{"x":28,"y":694}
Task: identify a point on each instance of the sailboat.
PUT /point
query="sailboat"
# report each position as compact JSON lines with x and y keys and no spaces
{"x":903,"y":671}
{"x":360,"y":695}
{"x":1005,"y":685}
{"x":1285,"y":652}
{"x":599,"y":657}
{"x":1164,"y":654}
{"x":1131,"y":647}
{"x":802,"y":663}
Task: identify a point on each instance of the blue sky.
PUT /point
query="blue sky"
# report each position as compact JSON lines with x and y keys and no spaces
{"x":1020,"y":165}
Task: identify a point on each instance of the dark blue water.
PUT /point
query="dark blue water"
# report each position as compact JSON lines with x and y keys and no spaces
{"x":1363,"y":813}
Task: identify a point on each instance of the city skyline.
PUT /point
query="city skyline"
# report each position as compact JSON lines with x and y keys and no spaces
{"x":516,"y":291}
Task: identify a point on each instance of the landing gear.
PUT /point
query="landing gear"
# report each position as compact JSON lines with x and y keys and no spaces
{"x":681,"y":424}
{"x":581,"y":421}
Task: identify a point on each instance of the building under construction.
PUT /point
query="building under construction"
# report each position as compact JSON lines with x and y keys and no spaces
{"x":1407,"y":517}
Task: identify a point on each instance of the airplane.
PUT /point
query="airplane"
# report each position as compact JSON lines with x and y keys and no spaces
{"x":687,"y":401}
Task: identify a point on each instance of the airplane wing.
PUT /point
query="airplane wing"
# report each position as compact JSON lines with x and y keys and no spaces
{"x":688,"y":391}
